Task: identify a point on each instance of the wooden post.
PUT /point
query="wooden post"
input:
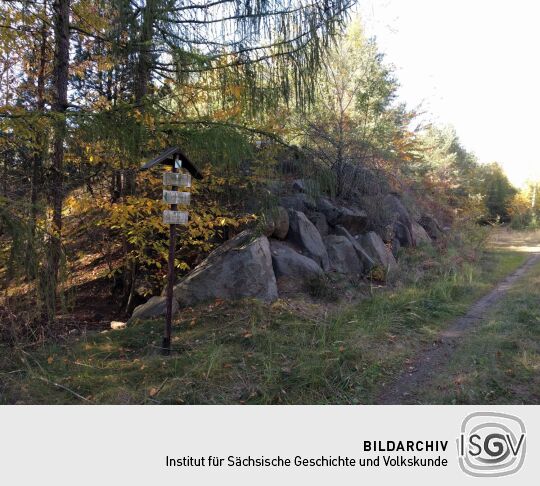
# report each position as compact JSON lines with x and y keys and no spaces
{"x":170,"y":275}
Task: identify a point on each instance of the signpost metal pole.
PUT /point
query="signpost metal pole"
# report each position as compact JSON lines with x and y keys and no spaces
{"x":170,"y":275}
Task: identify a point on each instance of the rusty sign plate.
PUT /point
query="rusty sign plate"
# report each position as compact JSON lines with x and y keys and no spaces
{"x":175,"y":217}
{"x":175,"y":197}
{"x":176,"y":179}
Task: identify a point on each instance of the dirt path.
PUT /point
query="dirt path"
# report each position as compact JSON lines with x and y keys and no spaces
{"x":432,"y":360}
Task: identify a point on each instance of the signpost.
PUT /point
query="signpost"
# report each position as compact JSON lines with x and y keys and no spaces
{"x":173,"y":217}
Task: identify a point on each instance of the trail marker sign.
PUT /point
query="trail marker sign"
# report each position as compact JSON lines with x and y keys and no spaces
{"x":175,"y":217}
{"x":175,"y":197}
{"x":175,"y":180}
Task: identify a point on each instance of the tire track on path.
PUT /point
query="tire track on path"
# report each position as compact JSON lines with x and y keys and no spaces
{"x":427,"y":364}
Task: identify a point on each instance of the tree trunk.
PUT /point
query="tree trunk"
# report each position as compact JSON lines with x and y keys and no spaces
{"x":146,"y":39}
{"x":61,"y":72}
{"x":37,"y":160}
{"x":142,"y":82}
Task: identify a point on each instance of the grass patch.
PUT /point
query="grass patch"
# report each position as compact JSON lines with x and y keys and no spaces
{"x":290,"y":352}
{"x":499,"y":362}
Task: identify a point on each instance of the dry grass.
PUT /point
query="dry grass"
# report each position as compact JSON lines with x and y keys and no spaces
{"x":512,"y":240}
{"x":500,"y":361}
{"x":294,"y":351}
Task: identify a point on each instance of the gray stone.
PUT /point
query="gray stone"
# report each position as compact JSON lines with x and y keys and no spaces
{"x":432,"y":227}
{"x":319,"y":221}
{"x":281,"y":223}
{"x":303,"y":233}
{"x":330,"y":210}
{"x":378,"y":251}
{"x":241,"y":267}
{"x":354,"y":220}
{"x":401,"y":219}
{"x":367,"y":262}
{"x":298,"y":202}
{"x":403,"y":234}
{"x":289,"y":263}
{"x":342,"y":255}
{"x":155,"y":307}
{"x":420,"y":235}
{"x":386,"y":233}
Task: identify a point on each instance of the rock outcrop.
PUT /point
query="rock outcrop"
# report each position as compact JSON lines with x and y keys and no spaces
{"x":303,"y":233}
{"x":242,"y":267}
{"x":301,"y":239}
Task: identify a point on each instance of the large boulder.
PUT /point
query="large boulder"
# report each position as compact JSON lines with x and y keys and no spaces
{"x":367,"y":262}
{"x":303,"y":233}
{"x":155,"y":307}
{"x":342,"y":255}
{"x":354,"y":220}
{"x":281,"y":223}
{"x":432,"y":227}
{"x":420,"y":235}
{"x":241,"y":267}
{"x":378,"y":251}
{"x":401,"y":219}
{"x":289,"y":263}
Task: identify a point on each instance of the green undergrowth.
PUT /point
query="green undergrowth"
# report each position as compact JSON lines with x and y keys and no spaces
{"x":290,"y":352}
{"x":499,"y":362}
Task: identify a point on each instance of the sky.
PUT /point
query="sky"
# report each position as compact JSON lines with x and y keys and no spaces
{"x":472,"y":64}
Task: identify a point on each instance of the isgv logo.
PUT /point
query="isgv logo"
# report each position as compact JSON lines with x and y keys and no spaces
{"x":491,"y":444}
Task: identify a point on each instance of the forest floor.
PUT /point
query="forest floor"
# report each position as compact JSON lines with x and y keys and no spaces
{"x":300,"y":351}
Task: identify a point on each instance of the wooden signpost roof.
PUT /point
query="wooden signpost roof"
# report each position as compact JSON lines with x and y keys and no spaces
{"x":168,"y":157}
